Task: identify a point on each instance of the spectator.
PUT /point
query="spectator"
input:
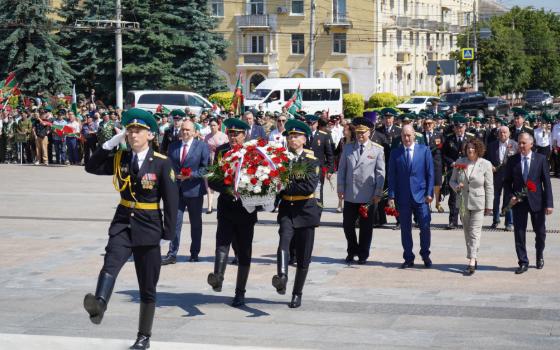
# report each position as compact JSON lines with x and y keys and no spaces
{"x":41,"y":132}
{"x":72,"y":140}
{"x":58,"y":138}
{"x":89,"y":131}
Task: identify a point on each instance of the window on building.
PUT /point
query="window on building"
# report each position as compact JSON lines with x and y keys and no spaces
{"x":405,"y":6}
{"x":392,"y":4}
{"x":257,"y":44}
{"x":339,"y":10}
{"x":297,"y":7}
{"x":298,"y":44}
{"x":339,"y":43}
{"x":411,"y":39}
{"x":384,"y":39}
{"x":256,"y":7}
{"x":217,"y":8}
{"x":255,"y":80}
{"x":417,"y":39}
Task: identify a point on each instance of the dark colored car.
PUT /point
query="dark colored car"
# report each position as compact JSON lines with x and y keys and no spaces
{"x":497,"y":106}
{"x":535,"y":99}
{"x":472,"y":102}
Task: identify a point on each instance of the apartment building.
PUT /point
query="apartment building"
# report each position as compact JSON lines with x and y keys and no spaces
{"x":372,"y":46}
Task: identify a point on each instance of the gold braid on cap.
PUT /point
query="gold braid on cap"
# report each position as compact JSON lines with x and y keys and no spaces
{"x":118,"y":176}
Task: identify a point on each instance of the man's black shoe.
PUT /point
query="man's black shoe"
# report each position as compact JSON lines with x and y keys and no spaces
{"x":169,"y":259}
{"x":296,"y":301}
{"x":142,"y":342}
{"x":427,"y":263}
{"x":540,"y":263}
{"x":521,"y":269}
{"x":397,"y":226}
{"x":494,"y":226}
{"x":451,"y":227}
{"x":407,"y":264}
{"x":349,"y":259}
{"x":194,"y":258}
{"x":362,"y":261}
{"x":234,"y":261}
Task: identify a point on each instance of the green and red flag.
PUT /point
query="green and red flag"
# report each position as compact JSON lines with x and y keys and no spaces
{"x":9,"y":84}
{"x":237,"y":100}
{"x":162,"y":109}
{"x":74,"y":101}
{"x":295,"y":102}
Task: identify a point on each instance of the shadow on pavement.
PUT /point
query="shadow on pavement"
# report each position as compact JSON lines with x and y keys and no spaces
{"x":190,"y":302}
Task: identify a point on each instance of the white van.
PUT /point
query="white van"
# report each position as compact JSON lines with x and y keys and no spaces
{"x":149,"y":100}
{"x":317,"y":94}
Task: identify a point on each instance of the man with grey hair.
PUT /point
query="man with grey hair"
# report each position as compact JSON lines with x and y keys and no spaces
{"x":256,"y":131}
{"x":528,"y":172}
{"x":498,"y":153}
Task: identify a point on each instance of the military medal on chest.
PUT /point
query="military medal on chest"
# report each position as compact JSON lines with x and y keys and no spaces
{"x":148,"y":181}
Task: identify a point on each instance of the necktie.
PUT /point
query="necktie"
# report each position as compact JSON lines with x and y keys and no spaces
{"x":361,"y":149}
{"x":429,"y":137}
{"x":184,"y":153}
{"x":408,"y":157}
{"x":135,"y":167}
{"x":525,"y":168}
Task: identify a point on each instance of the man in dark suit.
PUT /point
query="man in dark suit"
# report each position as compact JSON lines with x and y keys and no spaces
{"x":434,"y":140}
{"x":453,"y":150}
{"x":255,"y":130}
{"x":498,"y":154}
{"x":411,"y":187}
{"x":173,"y":134}
{"x":320,"y":142}
{"x":518,"y":126}
{"x":523,"y":170}
{"x":189,"y":158}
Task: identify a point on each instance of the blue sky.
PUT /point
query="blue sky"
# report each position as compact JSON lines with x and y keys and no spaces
{"x":553,"y":5}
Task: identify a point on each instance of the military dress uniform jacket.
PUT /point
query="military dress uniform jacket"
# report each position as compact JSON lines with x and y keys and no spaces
{"x":322,"y":147}
{"x":435,"y":143}
{"x":514,"y":133}
{"x":303,"y":212}
{"x":394,"y":133}
{"x":169,"y":136}
{"x":453,"y":149}
{"x":155,"y":181}
{"x":229,"y":207}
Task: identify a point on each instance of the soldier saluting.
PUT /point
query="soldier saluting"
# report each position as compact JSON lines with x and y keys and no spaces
{"x":298,"y":214}
{"x":143,"y":177}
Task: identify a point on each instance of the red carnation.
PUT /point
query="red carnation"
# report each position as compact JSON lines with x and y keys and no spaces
{"x":281,"y":149}
{"x":269,"y":149}
{"x":531,"y":186}
{"x":460,"y":166}
{"x":264,"y":163}
{"x":266,"y":182}
{"x":186,"y":171}
{"x":324,"y":170}
{"x":254,"y":180}
{"x":228,"y":180}
{"x":261,"y":143}
{"x":439,"y":145}
{"x":282,"y":169}
{"x":229,"y":171}
{"x":251,"y":170}
{"x":363,"y":210}
{"x":276,"y":160}
{"x":273,"y":173}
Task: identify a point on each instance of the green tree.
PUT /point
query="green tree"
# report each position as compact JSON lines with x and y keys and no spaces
{"x":28,"y":47}
{"x":92,"y":50}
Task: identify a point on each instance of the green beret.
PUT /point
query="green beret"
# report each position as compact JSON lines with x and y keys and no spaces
{"x":519,"y":112}
{"x":177,"y":113}
{"x":479,"y":119}
{"x":311,"y":118}
{"x":406,"y":117}
{"x":139,"y":117}
{"x":459,"y":120}
{"x":236,"y":124}
{"x":501,"y":121}
{"x":294,"y":126}
{"x":389,"y":112}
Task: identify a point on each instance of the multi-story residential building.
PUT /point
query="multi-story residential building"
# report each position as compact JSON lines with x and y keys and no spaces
{"x":372,"y":46}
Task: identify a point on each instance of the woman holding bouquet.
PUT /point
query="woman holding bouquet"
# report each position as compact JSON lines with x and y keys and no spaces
{"x":299,"y":212}
{"x":235,"y":223}
{"x":472,"y":180}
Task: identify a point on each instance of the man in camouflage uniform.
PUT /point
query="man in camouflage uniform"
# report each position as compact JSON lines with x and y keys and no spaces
{"x":8,"y":144}
{"x":106,"y":128}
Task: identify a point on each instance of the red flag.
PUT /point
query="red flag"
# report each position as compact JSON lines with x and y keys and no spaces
{"x":237,"y":100}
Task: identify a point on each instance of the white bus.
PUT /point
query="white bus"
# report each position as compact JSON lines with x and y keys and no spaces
{"x":317,"y":94}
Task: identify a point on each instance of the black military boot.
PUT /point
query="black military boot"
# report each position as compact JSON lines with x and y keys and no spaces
{"x":280,"y":280}
{"x":299,"y":281}
{"x":147,"y":311}
{"x":96,"y":304}
{"x":242,"y":276}
{"x":216,"y":278}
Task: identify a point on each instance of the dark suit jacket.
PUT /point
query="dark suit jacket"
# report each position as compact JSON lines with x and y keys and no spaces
{"x":197,"y":160}
{"x":321,"y":145}
{"x":416,"y":182}
{"x":436,"y":146}
{"x":453,"y":150}
{"x":257,"y":132}
{"x":514,"y":134}
{"x":493,"y":155}
{"x":168,"y":138}
{"x":538,"y":173}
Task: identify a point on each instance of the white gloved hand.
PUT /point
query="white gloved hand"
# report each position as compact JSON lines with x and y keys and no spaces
{"x":114,"y":141}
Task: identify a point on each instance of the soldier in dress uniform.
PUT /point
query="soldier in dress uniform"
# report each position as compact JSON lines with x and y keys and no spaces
{"x":478,"y":130}
{"x":453,"y":150}
{"x":320,"y":142}
{"x":143,"y":178}
{"x":379,"y":217}
{"x":389,"y":129}
{"x":298,"y":214}
{"x":173,"y":133}
{"x":434,"y":140}
{"x":235,"y":224}
{"x":519,"y":126}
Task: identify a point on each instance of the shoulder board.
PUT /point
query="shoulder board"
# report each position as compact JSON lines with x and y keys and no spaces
{"x":307,"y":150}
{"x":323,"y":132}
{"x":529,"y":128}
{"x":159,"y":155}
{"x":449,"y":135}
{"x":376,"y":144}
{"x":419,"y":134}
{"x":469,"y":134}
{"x":310,"y":156}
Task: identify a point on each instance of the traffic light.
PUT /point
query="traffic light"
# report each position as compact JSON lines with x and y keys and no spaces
{"x":468,"y":70}
{"x":438,"y":70}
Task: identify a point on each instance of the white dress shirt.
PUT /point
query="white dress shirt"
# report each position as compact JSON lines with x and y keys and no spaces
{"x":542,"y":137}
{"x":555,"y":135}
{"x":188,"y":143}
{"x":141,"y":157}
{"x":528,"y":161}
{"x":411,"y":151}
{"x":502,"y":151}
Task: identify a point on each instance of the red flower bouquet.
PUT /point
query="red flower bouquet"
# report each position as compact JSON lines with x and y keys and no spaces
{"x":530,"y":186}
{"x":391,"y":211}
{"x":363,"y":210}
{"x":186,"y":172}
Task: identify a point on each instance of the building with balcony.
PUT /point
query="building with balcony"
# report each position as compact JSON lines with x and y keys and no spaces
{"x":372,"y":46}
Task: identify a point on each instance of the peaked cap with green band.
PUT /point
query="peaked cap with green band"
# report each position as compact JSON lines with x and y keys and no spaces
{"x":177,"y":113}
{"x":294,"y":126}
{"x":141,"y":118}
{"x":236,"y":124}
{"x":388,"y":111}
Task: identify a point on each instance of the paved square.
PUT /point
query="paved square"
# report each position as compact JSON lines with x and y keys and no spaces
{"x":53,"y":230}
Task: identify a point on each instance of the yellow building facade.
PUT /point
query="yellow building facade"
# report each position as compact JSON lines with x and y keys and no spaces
{"x":371,"y":45}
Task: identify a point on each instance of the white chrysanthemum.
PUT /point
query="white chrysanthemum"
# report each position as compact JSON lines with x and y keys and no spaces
{"x":244,"y":179}
{"x":266,"y":170}
{"x":257,"y":189}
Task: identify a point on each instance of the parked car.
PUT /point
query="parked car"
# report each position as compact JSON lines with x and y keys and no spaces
{"x":535,"y":99}
{"x":149,"y":100}
{"x":497,"y":106}
{"x":549,"y":99}
{"x":417,"y":103}
{"x":472,"y":102}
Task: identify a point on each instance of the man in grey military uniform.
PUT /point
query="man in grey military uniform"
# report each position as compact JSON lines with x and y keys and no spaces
{"x":361,"y":175}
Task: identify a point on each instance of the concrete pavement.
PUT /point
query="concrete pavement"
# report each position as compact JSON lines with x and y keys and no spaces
{"x":53,"y":224}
